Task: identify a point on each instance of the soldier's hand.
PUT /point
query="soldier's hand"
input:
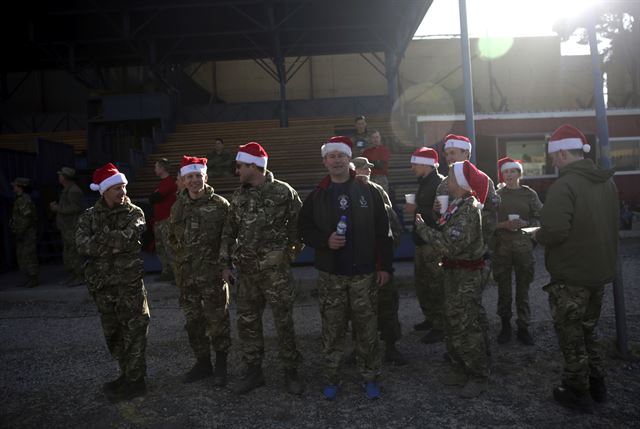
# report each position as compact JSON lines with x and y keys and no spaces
{"x":419,"y":219}
{"x":382,"y":278}
{"x":336,"y":241}
{"x":410,"y":209}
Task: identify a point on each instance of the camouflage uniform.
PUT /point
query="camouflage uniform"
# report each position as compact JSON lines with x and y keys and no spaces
{"x":361,"y":141}
{"x":24,"y":224}
{"x":69,"y":208}
{"x":460,"y":241}
{"x":220,"y":164}
{"x":514,"y":250}
{"x":110,"y":238}
{"x":260,"y":239}
{"x":195,"y":228}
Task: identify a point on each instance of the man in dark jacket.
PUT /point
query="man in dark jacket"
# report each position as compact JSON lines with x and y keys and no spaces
{"x":352,"y":263}
{"x":579,"y":229}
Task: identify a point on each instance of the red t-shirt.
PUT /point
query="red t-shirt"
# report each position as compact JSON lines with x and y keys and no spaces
{"x":379,"y":153}
{"x":167,"y":190}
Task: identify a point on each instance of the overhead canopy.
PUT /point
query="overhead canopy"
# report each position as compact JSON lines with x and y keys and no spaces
{"x":71,"y":34}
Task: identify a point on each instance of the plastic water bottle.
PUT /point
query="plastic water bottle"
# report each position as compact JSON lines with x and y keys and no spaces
{"x":341,"y":229}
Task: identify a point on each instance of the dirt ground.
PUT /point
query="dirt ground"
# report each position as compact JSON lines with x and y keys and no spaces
{"x":54,"y":361}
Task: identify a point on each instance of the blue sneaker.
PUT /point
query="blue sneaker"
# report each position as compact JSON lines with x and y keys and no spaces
{"x":373,"y":390}
{"x":330,"y":392}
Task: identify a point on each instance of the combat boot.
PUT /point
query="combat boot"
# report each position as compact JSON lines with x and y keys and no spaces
{"x":253,"y":378}
{"x":473,"y":388}
{"x":220,"y":373}
{"x":202,"y":369}
{"x":292,"y":382}
{"x":433,"y":336}
{"x":128,"y":390}
{"x":393,"y":355}
{"x":505,"y":333}
{"x":598,"y":389}
{"x":111,"y":386}
{"x":524,"y":337}
{"x":573,"y":399}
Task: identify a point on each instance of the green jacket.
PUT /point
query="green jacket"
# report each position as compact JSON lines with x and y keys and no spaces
{"x":580,"y":222}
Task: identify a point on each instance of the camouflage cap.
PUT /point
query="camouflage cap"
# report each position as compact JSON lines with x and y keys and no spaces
{"x":21,"y":181}
{"x":361,"y":162}
{"x":68,"y":172}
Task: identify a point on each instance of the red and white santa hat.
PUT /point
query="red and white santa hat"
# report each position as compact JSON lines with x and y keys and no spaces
{"x":470,"y":178}
{"x":106,"y":177}
{"x":252,"y":153}
{"x":192,"y":164}
{"x":506,"y":164}
{"x":461,"y":142}
{"x":425,"y":156}
{"x":568,"y":137}
{"x":337,"y":143}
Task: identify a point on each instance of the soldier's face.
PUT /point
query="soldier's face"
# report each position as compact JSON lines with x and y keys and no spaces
{"x":376,"y":140}
{"x":511,"y":176}
{"x":455,"y":154}
{"x":364,"y":171}
{"x":246,"y":172}
{"x":337,"y":163}
{"x":218,"y":146}
{"x":115,"y":195}
{"x":194,"y":181}
{"x":16,"y":189}
{"x":361,"y":125}
{"x":421,"y":170}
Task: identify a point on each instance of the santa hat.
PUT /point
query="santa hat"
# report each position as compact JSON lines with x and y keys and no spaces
{"x":252,"y":153}
{"x":461,"y":142}
{"x":192,"y":164}
{"x":337,"y":143}
{"x":470,"y":178}
{"x":106,"y":177}
{"x":506,"y":164}
{"x":568,"y":137}
{"x":425,"y":156}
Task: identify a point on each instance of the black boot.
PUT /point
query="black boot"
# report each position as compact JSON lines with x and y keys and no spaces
{"x":598,"y":389}
{"x":433,"y":336}
{"x":571,"y":398}
{"x":524,"y":337}
{"x":111,"y":386}
{"x":252,"y":379}
{"x":292,"y":382}
{"x":128,"y":390}
{"x":202,"y":369}
{"x":393,"y":355}
{"x":505,"y":333}
{"x":220,"y":373}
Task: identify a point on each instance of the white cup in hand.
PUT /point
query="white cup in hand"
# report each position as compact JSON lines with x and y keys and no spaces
{"x":410,"y":198}
{"x":514,"y":216}
{"x":444,"y":203}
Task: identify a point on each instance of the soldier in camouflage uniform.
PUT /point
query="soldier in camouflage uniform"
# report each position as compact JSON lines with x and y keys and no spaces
{"x":24,"y":225}
{"x":109,"y":236}
{"x":219,"y":161}
{"x":388,"y":297}
{"x":362,"y":137}
{"x":68,"y":209}
{"x":579,"y":230}
{"x":260,"y":240}
{"x":195,"y":228}
{"x":352,"y":264}
{"x":459,"y":239}
{"x":519,"y":207}
{"x":428,"y":267}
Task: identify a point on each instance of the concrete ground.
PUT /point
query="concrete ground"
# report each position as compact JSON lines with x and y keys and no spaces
{"x":54,"y":361}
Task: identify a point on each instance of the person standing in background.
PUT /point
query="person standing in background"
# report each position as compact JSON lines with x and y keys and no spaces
{"x":163,"y":199}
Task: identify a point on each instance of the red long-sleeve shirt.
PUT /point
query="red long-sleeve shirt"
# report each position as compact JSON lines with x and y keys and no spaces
{"x":167,"y":189}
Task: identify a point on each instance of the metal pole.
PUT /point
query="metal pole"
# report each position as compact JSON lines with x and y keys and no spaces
{"x":466,"y":75}
{"x":605,"y":162}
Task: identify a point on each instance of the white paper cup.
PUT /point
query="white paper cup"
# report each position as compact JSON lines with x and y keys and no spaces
{"x":444,"y":203}
{"x":514,"y":216}
{"x":410,"y":198}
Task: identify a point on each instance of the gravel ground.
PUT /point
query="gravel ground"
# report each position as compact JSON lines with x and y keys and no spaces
{"x":54,"y":361}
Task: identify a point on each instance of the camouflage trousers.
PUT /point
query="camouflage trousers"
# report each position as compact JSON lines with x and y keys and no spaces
{"x":428,"y":280}
{"x":256,"y":289}
{"x":72,"y":261}
{"x":512,"y":256}
{"x":342,"y":297}
{"x":163,"y":249}
{"x":26,"y":253}
{"x":575,"y":311}
{"x":205,"y":302}
{"x":124,"y":314}
{"x":465,"y":321}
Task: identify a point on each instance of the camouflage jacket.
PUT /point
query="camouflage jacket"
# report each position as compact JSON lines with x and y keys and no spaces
{"x":524,"y":202}
{"x":110,"y":238}
{"x":262,"y":227}
{"x":195,"y":230}
{"x":23,"y":215}
{"x":461,"y":236}
{"x":69,"y":207}
{"x":489,"y":211}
